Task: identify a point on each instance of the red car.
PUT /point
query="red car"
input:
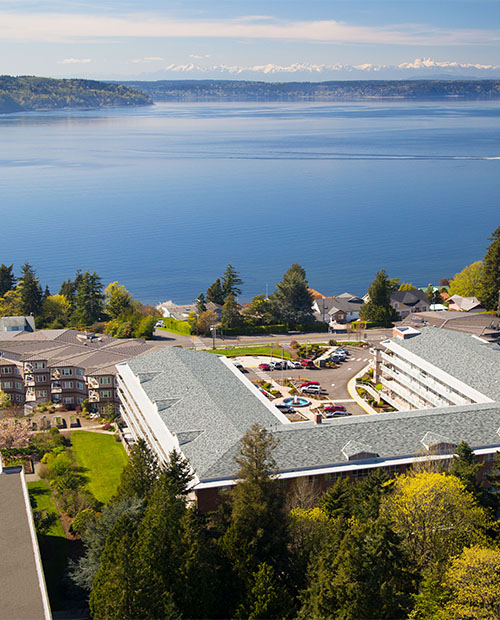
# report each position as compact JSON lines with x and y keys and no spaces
{"x":308,"y":364}
{"x":264,"y":366}
{"x":333,"y":408}
{"x":309,"y":383}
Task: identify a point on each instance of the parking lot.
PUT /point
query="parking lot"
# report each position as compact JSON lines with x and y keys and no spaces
{"x":332,"y":380}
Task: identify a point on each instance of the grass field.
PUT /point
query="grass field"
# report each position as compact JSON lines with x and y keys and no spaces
{"x":54,"y":547}
{"x":240,"y":351}
{"x":102,"y":459}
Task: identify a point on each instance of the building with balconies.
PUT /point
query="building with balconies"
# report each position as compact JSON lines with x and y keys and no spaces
{"x":438,"y":368}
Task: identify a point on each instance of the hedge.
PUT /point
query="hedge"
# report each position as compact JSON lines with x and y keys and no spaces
{"x":253,"y":330}
{"x":177,"y":327}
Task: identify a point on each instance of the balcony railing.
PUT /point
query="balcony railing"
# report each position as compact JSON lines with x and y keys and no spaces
{"x":92,"y":382}
{"x":55,"y":374}
{"x":93,"y":396}
{"x":433,"y":399}
{"x":56,"y":388}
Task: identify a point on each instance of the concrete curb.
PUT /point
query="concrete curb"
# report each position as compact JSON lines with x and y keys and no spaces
{"x":351,"y":388}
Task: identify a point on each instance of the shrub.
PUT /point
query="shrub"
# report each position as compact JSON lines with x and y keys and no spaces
{"x":177,"y":327}
{"x":82,"y":521}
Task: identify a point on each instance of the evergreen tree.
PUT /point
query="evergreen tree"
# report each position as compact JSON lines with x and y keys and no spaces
{"x":140,"y":473}
{"x":69,"y":288}
{"x":7,"y":279}
{"x":117,"y":299}
{"x":31,"y":291}
{"x":266,"y":598}
{"x":178,"y":471}
{"x":89,"y":303}
{"x":114,"y":586}
{"x":231,"y":282}
{"x":378,"y":309}
{"x":158,"y":551}
{"x":230,"y":316}
{"x":292,"y":299}
{"x":466,"y":469}
{"x":490,"y":283}
{"x":336,"y":501}
{"x":215,"y":294}
{"x":201,"y":305}
{"x":257,"y":529}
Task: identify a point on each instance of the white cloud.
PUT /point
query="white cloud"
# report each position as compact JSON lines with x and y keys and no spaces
{"x":148,"y":59}
{"x":68,"y":27}
{"x":198,"y":56}
{"x":74,"y":61}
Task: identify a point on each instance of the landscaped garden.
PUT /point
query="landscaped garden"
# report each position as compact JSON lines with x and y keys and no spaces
{"x":274,"y":351}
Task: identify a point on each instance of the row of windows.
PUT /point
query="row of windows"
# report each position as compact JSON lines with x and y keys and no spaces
{"x":7,"y":385}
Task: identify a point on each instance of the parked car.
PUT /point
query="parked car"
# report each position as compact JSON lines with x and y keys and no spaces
{"x":309,"y":383}
{"x":307,"y":364}
{"x":336,"y":414}
{"x":292,"y":364}
{"x":264,"y":366}
{"x":285,"y":408}
{"x":239,"y":366}
{"x":342,"y":350}
{"x":311,"y":389}
{"x":328,"y":408}
{"x":159,"y":324}
{"x":278,"y":365}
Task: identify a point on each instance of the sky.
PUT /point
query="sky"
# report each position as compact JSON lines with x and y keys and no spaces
{"x":249,"y":39}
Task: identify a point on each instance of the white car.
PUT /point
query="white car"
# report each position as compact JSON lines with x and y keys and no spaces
{"x":311,"y":389}
{"x":159,"y":324}
{"x":292,"y":364}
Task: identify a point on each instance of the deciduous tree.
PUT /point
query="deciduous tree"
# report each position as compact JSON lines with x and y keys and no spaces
{"x":117,"y":299}
{"x":468,"y":282}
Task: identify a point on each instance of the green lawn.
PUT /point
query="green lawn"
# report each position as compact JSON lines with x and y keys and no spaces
{"x":102,"y":459}
{"x":54,"y":547}
{"x":239,"y":351}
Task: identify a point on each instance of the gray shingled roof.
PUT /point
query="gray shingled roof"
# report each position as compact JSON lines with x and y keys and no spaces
{"x":208,"y":407}
{"x":462,"y":356}
{"x":391,"y":435}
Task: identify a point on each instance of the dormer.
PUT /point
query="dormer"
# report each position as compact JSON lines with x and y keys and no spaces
{"x":357,"y":451}
{"x":438,"y":444}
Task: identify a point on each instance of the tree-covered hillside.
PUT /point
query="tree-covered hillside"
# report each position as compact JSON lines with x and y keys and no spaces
{"x":241,"y":90}
{"x":25,"y":93}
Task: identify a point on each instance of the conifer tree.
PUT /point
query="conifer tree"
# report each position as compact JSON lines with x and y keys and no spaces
{"x":178,"y":471}
{"x":292,"y":299}
{"x":230,"y":316}
{"x":31,"y":291}
{"x":140,"y":473}
{"x":7,"y":279}
{"x":231,"y":282}
{"x":257,"y":530}
{"x":466,"y":469}
{"x":378,"y":309}
{"x":89,"y":302}
{"x":114,"y":586}
{"x":201,"y":305}
{"x":215,"y":294}
{"x":266,"y":598}
{"x":490,"y":282}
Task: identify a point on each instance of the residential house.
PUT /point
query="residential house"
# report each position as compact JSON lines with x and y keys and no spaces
{"x":17,"y":324}
{"x":465,"y":304}
{"x":340,"y":309}
{"x":408,"y":302}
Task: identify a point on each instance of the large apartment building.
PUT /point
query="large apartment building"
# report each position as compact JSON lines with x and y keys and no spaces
{"x":64,"y":366}
{"x":432,"y":367}
{"x":200,"y":405}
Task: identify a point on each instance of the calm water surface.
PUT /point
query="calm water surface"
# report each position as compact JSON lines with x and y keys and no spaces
{"x":162,"y":198}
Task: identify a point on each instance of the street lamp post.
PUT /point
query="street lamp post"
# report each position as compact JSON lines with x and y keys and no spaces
{"x":213,"y":330}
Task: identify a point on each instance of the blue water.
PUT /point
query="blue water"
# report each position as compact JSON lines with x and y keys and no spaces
{"x":162,"y":198}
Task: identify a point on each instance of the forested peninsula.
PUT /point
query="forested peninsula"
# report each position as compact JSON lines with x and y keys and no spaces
{"x":28,"y":93}
{"x":240,"y":90}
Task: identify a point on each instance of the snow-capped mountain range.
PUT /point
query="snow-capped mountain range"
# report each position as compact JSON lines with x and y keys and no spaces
{"x":419,"y":68}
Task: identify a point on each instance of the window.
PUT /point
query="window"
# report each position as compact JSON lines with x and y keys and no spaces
{"x":66,"y":372}
{"x":17,"y":370}
{"x":7,"y":385}
{"x":41,"y":393}
{"x":79,"y":385}
{"x":19,"y":397}
{"x":79,"y":400}
{"x":19,"y":386}
{"x":79,"y":372}
{"x":106,"y":393}
{"x":67,"y":385}
{"x":38,"y":365}
{"x":6,"y":370}
{"x":104,"y":380}
{"x":68,"y":400}
{"x":40,"y":378}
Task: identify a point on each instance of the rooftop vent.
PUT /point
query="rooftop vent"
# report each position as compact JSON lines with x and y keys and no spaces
{"x":437,"y":444}
{"x":357,"y":451}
